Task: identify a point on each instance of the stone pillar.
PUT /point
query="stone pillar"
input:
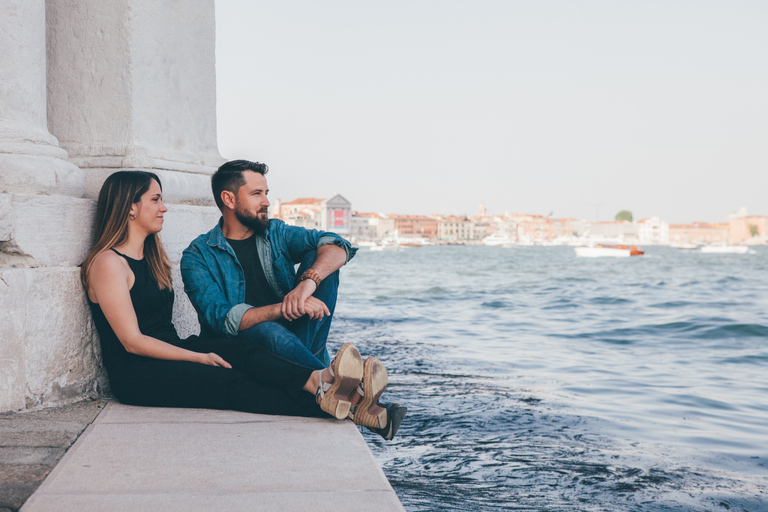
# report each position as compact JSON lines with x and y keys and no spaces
{"x":40,"y":218}
{"x":31,"y":160}
{"x":124,"y":84}
{"x":133,"y":86}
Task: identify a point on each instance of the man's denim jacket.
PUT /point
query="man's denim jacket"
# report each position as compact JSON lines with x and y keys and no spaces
{"x":214,"y":280}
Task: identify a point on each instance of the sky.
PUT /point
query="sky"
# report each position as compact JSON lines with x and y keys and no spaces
{"x":565,"y":108}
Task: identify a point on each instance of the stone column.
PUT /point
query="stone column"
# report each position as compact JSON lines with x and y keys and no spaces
{"x":41,"y":234}
{"x":31,"y":160}
{"x":130,"y":85}
{"x":133,"y":86}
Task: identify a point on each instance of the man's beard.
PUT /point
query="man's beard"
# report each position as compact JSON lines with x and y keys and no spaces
{"x":258,"y":224}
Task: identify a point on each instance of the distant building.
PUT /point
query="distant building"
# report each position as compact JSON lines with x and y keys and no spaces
{"x":698,"y":233}
{"x":564,"y":228}
{"x":416,"y":226}
{"x":361,"y":227}
{"x":332,"y":214}
{"x":653,"y":231}
{"x":502,"y":226}
{"x":614,"y":230}
{"x":336,"y":213}
{"x":526,"y":228}
{"x":371,"y":226}
{"x":460,"y":229}
{"x":743,"y":227}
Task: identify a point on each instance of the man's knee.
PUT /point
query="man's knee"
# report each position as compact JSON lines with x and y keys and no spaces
{"x":265,"y":332}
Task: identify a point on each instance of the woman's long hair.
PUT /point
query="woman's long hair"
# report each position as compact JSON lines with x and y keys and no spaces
{"x":119,"y":191}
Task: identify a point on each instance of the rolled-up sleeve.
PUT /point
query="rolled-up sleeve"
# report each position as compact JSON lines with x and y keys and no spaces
{"x":233,"y":319}
{"x":332,"y":238}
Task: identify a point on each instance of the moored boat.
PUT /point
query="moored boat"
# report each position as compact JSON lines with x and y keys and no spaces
{"x":725,"y":249}
{"x":685,"y":246}
{"x":608,"y":250}
{"x":498,"y":240}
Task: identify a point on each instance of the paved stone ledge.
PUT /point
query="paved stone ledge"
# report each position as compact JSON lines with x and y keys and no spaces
{"x":137,"y":458}
{"x":32,"y":442}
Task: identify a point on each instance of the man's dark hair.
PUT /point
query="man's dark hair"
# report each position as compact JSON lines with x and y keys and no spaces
{"x":230,"y":177}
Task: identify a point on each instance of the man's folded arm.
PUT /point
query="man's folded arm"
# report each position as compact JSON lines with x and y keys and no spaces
{"x":254,"y":316}
{"x":300,"y":241}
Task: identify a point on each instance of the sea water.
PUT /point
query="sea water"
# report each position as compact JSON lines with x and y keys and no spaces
{"x":536,"y":380}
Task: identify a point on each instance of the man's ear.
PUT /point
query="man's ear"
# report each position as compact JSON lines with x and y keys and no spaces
{"x":228,"y":198}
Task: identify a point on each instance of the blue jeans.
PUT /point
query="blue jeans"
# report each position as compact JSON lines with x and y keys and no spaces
{"x":301,"y":341}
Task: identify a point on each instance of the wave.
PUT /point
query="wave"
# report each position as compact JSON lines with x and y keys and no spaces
{"x":703,"y":330}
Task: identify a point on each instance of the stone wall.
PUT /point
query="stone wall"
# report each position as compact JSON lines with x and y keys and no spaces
{"x":88,"y":88}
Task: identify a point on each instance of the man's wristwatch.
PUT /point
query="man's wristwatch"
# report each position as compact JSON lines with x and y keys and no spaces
{"x":311,"y":274}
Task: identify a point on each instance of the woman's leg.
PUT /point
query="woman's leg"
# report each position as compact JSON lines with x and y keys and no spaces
{"x":254,"y":361}
{"x":159,"y":383}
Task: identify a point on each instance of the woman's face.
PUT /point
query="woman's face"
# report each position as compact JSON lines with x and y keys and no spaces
{"x":150,"y":209}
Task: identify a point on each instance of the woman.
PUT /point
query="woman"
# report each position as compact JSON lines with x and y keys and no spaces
{"x":127,"y":277}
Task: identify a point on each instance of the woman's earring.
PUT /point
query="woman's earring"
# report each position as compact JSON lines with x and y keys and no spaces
{"x":132,"y":216}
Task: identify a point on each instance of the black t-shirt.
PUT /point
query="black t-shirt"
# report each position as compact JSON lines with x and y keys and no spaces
{"x":258,"y":293}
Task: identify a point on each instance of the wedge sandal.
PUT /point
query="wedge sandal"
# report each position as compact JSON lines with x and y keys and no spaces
{"x":369,"y":413}
{"x":347,"y":371}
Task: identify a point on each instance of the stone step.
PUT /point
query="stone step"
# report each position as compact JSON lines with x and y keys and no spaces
{"x":139,"y":458}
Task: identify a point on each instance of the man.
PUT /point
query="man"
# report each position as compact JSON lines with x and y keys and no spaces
{"x":241,"y":277}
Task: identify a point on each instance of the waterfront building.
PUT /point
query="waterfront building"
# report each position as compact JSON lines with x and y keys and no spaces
{"x":653,"y":231}
{"x":332,"y":214}
{"x":371,"y":226}
{"x":743,"y":227}
{"x":502,"y":227}
{"x":615,"y":230}
{"x":461,"y":229}
{"x":363,"y":226}
{"x":564,"y":228}
{"x":416,"y":226}
{"x":699,"y":233}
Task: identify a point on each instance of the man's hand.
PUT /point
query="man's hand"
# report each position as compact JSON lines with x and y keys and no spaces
{"x":315,"y":308}
{"x":299,"y":302}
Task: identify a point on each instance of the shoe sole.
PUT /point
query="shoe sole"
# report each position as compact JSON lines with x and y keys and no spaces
{"x":375,"y":381}
{"x":348,"y":371}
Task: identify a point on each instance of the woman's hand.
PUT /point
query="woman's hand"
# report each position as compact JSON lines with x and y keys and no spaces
{"x":212,"y":359}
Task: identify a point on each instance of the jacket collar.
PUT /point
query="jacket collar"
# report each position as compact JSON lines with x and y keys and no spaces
{"x":216,"y":235}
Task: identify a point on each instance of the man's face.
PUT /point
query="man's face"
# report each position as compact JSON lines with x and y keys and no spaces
{"x":251,"y":203}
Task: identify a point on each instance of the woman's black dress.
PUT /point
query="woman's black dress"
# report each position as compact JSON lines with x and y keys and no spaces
{"x":257,"y":382}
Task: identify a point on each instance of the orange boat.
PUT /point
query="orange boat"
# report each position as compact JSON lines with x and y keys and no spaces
{"x":633,"y":249}
{"x":602,"y":250}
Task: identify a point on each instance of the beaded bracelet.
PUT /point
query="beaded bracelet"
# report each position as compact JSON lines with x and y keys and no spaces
{"x":311,"y":274}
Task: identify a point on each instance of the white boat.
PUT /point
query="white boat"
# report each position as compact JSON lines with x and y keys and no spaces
{"x":686,"y":246}
{"x":385,"y":246}
{"x":610,"y":251}
{"x":498,"y":241}
{"x":725,"y":249}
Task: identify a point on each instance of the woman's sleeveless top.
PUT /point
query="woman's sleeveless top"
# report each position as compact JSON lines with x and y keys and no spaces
{"x":153,"y":307}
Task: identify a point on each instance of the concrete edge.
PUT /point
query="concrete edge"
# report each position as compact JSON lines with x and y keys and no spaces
{"x":47,"y":492}
{"x":68,"y":455}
